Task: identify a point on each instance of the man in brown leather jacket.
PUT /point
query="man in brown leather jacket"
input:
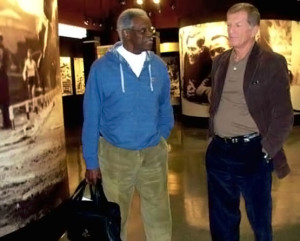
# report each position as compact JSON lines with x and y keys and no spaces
{"x":250,"y":117}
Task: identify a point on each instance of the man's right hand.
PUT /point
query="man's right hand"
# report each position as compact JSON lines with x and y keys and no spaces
{"x":91,"y":176}
{"x":191,"y":89}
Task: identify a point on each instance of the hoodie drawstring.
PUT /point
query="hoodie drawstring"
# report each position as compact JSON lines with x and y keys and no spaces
{"x":150,"y":75}
{"x":122,"y":78}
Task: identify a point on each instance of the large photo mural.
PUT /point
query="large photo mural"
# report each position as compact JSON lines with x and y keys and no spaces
{"x":199,"y":44}
{"x":33,"y":174}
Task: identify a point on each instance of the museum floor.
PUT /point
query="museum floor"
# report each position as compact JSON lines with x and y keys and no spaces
{"x":187,"y":187}
{"x":188,"y":194}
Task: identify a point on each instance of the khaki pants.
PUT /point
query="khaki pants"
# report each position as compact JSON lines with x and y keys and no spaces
{"x":145,"y":170}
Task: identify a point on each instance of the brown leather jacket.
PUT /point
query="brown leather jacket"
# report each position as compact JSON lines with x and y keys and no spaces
{"x":267,"y":93}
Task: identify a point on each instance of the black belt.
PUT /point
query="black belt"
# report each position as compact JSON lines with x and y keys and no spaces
{"x":238,"y":139}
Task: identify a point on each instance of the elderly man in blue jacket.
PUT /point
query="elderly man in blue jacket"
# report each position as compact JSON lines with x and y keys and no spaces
{"x":127,"y":118}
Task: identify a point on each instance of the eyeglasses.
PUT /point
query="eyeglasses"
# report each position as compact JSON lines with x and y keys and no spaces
{"x":143,"y":31}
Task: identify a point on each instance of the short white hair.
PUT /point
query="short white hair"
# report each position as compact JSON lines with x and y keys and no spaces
{"x":125,"y":19}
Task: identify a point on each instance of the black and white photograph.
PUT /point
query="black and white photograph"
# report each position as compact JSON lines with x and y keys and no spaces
{"x":79,"y":76}
{"x":282,"y":37}
{"x":33,"y":171}
{"x":172,"y":63}
{"x":66,"y":76}
{"x":200,"y":43}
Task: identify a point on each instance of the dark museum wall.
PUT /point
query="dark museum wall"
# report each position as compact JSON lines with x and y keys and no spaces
{"x":215,"y":10}
{"x":173,"y":13}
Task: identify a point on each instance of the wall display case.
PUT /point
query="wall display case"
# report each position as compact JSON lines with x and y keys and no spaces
{"x":66,"y":76}
{"x":170,"y":55}
{"x":172,"y":63}
{"x":79,"y":76}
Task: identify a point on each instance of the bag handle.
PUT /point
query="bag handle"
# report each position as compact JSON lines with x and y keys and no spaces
{"x":96,"y":192}
{"x":78,"y":193}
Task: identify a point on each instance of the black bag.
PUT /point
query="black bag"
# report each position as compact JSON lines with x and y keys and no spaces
{"x":95,"y":219}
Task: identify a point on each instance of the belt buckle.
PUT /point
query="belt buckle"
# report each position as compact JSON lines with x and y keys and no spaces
{"x":249,"y":137}
{"x":246,"y":139}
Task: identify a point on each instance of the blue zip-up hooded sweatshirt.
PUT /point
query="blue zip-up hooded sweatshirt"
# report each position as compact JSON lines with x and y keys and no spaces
{"x":129,"y":112}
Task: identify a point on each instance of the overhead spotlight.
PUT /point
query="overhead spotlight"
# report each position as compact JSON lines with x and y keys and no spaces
{"x":173,"y":5}
{"x":139,"y":2}
{"x":123,"y":2}
{"x":156,"y":1}
{"x":86,"y":21}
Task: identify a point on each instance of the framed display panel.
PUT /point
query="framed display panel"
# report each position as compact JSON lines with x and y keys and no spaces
{"x":101,"y":50}
{"x":66,"y":76}
{"x":79,"y":76}
{"x":172,"y":62}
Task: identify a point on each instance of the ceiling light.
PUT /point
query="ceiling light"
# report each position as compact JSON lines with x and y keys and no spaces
{"x":70,"y":31}
{"x":86,"y":21}
{"x":173,"y":5}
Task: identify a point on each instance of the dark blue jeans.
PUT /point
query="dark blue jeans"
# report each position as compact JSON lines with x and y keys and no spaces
{"x":234,"y":170}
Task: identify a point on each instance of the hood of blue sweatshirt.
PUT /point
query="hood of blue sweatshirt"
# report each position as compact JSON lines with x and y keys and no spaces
{"x":130,"y":112}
